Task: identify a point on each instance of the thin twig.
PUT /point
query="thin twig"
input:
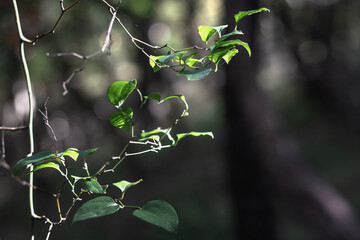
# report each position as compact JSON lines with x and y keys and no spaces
{"x":52,"y":30}
{"x":46,"y":121}
{"x":104,"y":49}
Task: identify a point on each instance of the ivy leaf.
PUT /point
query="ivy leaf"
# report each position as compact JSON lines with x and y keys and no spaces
{"x":217,"y":55}
{"x":34,"y":159}
{"x":159,"y":213}
{"x":93,"y":186}
{"x":206,"y":32}
{"x":122,"y":118}
{"x":97,"y":207}
{"x":125,"y":185}
{"x":240,"y":15}
{"x":195,"y":134}
{"x":47,"y":165}
{"x":231,"y":44}
{"x":71,"y":152}
{"x":195,"y":75}
{"x":227,"y":57}
{"x":152,"y":64}
{"x":166,"y":59}
{"x":119,"y":91}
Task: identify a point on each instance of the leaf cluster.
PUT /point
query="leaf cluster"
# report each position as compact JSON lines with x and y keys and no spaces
{"x":222,"y":50}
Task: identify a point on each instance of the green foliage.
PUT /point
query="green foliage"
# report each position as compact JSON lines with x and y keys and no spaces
{"x":159,"y":213}
{"x":78,"y":177}
{"x":34,"y":159}
{"x":97,"y":207}
{"x":222,"y":50}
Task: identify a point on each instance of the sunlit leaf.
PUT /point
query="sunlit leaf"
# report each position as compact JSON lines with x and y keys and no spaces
{"x":47,"y":165}
{"x":195,"y":134}
{"x":227,"y":57}
{"x":72,"y":153}
{"x":240,"y":15}
{"x":217,"y":55}
{"x":95,"y":208}
{"x":122,"y":118}
{"x":206,"y":32}
{"x":152,"y":63}
{"x":159,"y":213}
{"x":196,"y":74}
{"x":92,"y":185}
{"x":119,"y":91}
{"x":125,"y":185}
{"x":34,"y":159}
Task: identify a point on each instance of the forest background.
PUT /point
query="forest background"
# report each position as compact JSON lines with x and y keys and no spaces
{"x":284,"y":163}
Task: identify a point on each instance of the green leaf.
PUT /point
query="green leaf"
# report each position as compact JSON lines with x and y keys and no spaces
{"x":227,"y":57}
{"x":195,"y":75}
{"x":34,"y":159}
{"x":122,"y":119}
{"x":119,"y":91}
{"x":92,"y":185}
{"x":195,"y":134}
{"x":159,"y":213}
{"x":166,"y":59}
{"x":95,"y":208}
{"x":125,"y":185}
{"x":88,"y":152}
{"x":206,"y":32}
{"x":47,"y":165}
{"x":72,"y":153}
{"x":235,"y":32}
{"x":217,"y":55}
{"x":231,"y":44}
{"x":152,"y":64}
{"x":240,"y":15}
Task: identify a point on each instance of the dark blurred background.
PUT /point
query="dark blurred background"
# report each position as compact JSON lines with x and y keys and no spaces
{"x":284,"y":163}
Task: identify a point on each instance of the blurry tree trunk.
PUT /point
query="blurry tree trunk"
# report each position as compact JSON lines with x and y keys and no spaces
{"x":264,"y":160}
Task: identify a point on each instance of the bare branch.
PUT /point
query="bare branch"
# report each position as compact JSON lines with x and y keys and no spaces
{"x":104,"y":49}
{"x":46,"y":121}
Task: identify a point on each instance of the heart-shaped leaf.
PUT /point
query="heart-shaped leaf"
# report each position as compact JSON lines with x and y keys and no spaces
{"x":159,"y":213}
{"x":119,"y":91}
{"x":95,"y":208}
